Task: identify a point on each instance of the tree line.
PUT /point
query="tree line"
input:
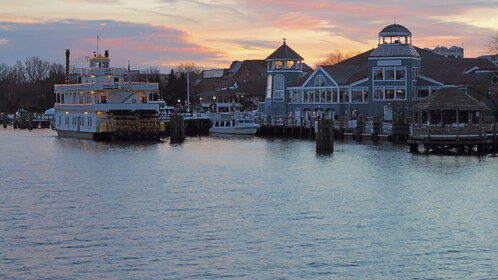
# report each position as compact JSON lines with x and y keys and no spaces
{"x":29,"y":84}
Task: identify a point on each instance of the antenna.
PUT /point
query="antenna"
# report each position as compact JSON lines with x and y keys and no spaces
{"x":394,"y":20}
{"x":97,"y":44}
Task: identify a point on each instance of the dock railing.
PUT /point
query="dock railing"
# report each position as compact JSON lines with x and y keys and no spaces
{"x":460,"y":130}
{"x":310,"y":121}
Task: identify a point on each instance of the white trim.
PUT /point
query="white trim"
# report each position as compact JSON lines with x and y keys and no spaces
{"x":471,"y":70}
{"x":324,"y":72}
{"x":430,"y":80}
{"x":394,"y":57}
{"x":359,"y":82}
{"x":284,"y":70}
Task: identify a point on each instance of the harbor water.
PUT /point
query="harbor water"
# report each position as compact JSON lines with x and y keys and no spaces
{"x":242,"y":208}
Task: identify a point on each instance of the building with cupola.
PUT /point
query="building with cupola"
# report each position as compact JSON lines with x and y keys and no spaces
{"x":284,"y":67}
{"x":380,"y":82}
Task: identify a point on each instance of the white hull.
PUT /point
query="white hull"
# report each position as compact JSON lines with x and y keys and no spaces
{"x":234,"y":130}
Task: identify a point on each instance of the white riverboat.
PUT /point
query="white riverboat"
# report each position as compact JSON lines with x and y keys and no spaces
{"x":233,"y":123}
{"x":101,"y":103}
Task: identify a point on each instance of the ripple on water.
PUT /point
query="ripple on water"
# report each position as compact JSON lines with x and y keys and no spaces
{"x":232,"y":208}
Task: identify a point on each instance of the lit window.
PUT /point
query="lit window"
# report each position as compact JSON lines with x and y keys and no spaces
{"x":278,"y":64}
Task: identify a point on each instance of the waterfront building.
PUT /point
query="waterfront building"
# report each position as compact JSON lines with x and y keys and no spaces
{"x":243,"y":83}
{"x":284,"y":66}
{"x":452,"y":52}
{"x":380,"y":82}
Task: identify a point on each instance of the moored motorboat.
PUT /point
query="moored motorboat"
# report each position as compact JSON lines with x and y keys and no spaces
{"x":236,"y":123}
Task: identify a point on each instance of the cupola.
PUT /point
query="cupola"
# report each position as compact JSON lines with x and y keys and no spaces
{"x":284,"y":58}
{"x":395,"y":34}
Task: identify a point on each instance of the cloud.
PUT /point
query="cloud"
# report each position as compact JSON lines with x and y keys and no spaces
{"x":144,"y":45}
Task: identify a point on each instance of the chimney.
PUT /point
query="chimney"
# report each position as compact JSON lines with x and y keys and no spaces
{"x":106,"y":53}
{"x":66,"y":77}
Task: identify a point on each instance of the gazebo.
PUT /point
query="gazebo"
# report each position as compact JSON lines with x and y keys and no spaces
{"x":448,"y":118}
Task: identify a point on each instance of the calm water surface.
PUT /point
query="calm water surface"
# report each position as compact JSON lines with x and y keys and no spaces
{"x":242,"y":208}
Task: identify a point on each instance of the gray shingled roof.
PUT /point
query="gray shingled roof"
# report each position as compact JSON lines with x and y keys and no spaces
{"x":450,"y":98}
{"x":349,"y":70}
{"x":392,"y":50}
{"x":284,"y":52}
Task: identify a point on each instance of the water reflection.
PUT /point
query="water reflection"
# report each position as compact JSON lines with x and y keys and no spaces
{"x":242,"y":208}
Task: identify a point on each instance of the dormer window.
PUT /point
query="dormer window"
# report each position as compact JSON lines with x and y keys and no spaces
{"x":278,"y":64}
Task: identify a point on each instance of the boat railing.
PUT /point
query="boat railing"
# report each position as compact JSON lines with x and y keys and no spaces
{"x":142,"y":86}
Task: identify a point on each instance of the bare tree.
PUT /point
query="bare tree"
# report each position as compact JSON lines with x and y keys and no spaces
{"x":338,"y":56}
{"x":35,"y":69}
{"x":187,"y":67}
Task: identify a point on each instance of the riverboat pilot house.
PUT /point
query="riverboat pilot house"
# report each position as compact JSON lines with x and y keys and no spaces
{"x":380,"y":82}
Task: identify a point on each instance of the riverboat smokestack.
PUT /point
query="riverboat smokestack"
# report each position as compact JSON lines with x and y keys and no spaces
{"x":106,"y":53}
{"x":66,"y":77}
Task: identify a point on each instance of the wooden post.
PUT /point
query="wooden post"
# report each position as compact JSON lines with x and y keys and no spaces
{"x":494,"y":137}
{"x":312,"y":127}
{"x":325,"y":136}
{"x":413,"y":148}
{"x":177,"y":128}
{"x":273,"y":121}
{"x":376,"y":128}
{"x":284,"y":127}
{"x":4,"y":120}
{"x":360,"y":125}
{"x":30,"y":121}
{"x":293,"y":120}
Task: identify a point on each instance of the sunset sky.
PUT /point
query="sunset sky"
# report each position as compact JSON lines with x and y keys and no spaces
{"x":211,"y":34}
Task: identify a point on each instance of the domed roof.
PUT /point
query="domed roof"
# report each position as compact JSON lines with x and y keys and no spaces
{"x":395,"y":30}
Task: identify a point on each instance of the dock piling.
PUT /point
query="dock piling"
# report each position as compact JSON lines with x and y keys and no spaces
{"x":325,"y":136}
{"x":177,"y":128}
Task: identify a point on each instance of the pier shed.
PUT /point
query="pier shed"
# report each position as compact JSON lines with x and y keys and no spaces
{"x":449,"y":119}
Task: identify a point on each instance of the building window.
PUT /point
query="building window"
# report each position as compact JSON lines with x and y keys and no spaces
{"x":278,"y":64}
{"x":344,"y":95}
{"x":278,"y":88}
{"x":319,"y":81}
{"x":378,"y":74}
{"x":389,"y":93}
{"x":268,"y":88}
{"x":290,"y":64}
{"x":389,"y":74}
{"x":378,"y":94}
{"x":359,"y":95}
{"x":400,"y":94}
{"x":414,"y":73}
{"x":400,"y":74}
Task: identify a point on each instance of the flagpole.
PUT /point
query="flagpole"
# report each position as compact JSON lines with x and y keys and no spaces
{"x":188,"y":93}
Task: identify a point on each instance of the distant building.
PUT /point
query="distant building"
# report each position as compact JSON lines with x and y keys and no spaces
{"x":383,"y":81}
{"x":492,"y":57}
{"x":243,"y":82}
{"x":453,"y":52}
